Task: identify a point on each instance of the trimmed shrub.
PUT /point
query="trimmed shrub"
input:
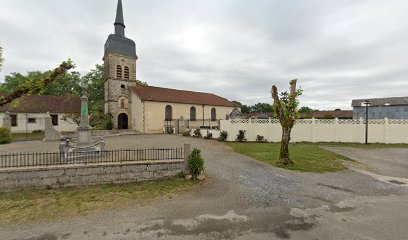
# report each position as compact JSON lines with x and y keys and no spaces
{"x":186,"y":133}
{"x":223,"y":136}
{"x":109,"y":125}
{"x":195,"y":163}
{"x":5,"y":135}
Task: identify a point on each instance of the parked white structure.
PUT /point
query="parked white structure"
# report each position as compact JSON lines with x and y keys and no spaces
{"x":321,"y":130}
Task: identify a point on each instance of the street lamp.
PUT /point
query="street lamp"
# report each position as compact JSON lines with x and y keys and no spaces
{"x":366,"y":103}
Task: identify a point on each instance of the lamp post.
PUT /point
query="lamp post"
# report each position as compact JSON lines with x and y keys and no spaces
{"x":366,"y":103}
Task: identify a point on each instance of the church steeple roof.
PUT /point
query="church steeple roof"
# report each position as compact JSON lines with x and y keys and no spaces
{"x":119,"y":22}
{"x":117,"y":42}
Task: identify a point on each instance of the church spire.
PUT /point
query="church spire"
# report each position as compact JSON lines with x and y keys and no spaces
{"x":119,"y":22}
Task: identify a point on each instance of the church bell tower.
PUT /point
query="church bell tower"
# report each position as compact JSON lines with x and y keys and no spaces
{"x":120,"y":71}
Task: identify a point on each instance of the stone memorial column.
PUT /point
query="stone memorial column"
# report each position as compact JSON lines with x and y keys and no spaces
{"x":84,"y":129}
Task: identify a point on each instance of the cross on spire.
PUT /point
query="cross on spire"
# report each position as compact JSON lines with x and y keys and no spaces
{"x":119,"y":22}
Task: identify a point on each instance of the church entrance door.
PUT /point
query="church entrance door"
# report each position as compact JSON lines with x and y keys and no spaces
{"x":123,"y":121}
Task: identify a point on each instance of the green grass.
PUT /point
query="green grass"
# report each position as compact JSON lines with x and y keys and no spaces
{"x":29,"y":136}
{"x":28,"y":206}
{"x":307,"y":157}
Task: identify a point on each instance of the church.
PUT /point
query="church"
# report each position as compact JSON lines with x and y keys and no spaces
{"x":149,"y":109}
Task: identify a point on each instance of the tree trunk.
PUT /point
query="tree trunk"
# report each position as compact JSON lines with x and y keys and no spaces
{"x":284,"y":150}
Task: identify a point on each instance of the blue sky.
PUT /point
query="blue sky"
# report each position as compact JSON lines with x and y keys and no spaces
{"x":339,"y":50}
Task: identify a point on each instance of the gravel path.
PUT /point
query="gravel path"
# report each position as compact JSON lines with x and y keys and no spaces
{"x":241,"y":199}
{"x":385,"y":161}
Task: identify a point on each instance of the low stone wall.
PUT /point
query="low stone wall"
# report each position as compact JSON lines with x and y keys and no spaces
{"x":12,"y":179}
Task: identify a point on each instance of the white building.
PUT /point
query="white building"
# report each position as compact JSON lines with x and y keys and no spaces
{"x":28,"y":113}
{"x":150,"y":109}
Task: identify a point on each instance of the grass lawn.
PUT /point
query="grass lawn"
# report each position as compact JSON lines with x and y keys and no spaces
{"x":29,"y":136}
{"x":20,"y":207}
{"x":307,"y":157}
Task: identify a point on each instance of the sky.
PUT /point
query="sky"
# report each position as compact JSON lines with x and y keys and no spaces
{"x":338,"y":50}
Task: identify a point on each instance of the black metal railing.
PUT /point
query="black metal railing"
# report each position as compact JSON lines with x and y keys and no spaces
{"x":35,"y":159}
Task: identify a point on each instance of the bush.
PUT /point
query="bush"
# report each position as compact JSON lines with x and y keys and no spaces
{"x":197,"y":132}
{"x":209,"y":135}
{"x":195,"y":163}
{"x":109,"y":125}
{"x":5,"y":135}
{"x":223,"y":136}
{"x":186,"y":133}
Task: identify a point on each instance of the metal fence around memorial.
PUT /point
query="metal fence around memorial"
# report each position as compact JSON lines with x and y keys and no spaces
{"x":37,"y":159}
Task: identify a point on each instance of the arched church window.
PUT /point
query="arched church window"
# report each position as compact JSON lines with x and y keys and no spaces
{"x":192,"y":114}
{"x":122,"y":103}
{"x":168,"y":113}
{"x":213,"y":114}
{"x":118,"y":71}
{"x":126,"y":72}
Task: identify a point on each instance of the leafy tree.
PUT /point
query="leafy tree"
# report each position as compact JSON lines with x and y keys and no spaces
{"x":37,"y":85}
{"x":285,"y":108}
{"x":245,"y":109}
{"x":305,"y":109}
{"x":261,"y":107}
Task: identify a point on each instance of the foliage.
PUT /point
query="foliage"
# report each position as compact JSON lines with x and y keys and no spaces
{"x":109,"y":122}
{"x":285,"y":108}
{"x":261,"y":107}
{"x":305,"y":109}
{"x":5,"y":135}
{"x":209,"y":135}
{"x":223,"y":136}
{"x":241,"y":135}
{"x":38,"y":85}
{"x":186,"y":133}
{"x":197,"y":132}
{"x":309,"y":157}
{"x":195,"y":163}
{"x":260,"y":138}
{"x":245,"y":109}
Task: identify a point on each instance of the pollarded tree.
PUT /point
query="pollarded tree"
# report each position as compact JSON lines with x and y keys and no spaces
{"x":285,"y":108}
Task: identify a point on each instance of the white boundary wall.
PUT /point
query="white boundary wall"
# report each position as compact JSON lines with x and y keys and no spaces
{"x":321,"y":130}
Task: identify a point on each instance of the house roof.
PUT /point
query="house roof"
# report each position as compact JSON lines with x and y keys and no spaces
{"x":260,"y":114}
{"x":392,"y":101}
{"x":321,"y":114}
{"x":158,"y":94}
{"x":43,"y":104}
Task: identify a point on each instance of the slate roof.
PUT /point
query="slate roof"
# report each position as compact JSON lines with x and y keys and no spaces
{"x":43,"y":104}
{"x":392,"y":101}
{"x":158,"y":94}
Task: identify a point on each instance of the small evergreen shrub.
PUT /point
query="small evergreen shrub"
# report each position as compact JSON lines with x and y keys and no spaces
{"x":197,"y":132}
{"x":186,"y":133}
{"x":195,"y":163}
{"x":5,"y":135}
{"x":209,"y":135}
{"x":223,"y":136}
{"x":109,"y":125}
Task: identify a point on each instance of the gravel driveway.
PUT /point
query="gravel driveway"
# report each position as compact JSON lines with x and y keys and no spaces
{"x":385,"y":161}
{"x":241,"y":199}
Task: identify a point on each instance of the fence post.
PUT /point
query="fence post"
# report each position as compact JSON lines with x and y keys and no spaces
{"x":385,"y":128}
{"x":187,"y":151}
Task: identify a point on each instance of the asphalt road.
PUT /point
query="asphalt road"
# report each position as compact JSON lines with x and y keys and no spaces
{"x":241,"y":199}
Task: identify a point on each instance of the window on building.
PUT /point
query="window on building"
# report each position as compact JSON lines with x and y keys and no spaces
{"x":192,"y":114}
{"x":119,"y":71}
{"x":168,"y":113}
{"x":54,"y":119}
{"x":126,"y":72}
{"x":213,"y":114}
{"x":13,"y":120}
{"x":31,"y":120}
